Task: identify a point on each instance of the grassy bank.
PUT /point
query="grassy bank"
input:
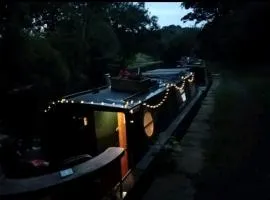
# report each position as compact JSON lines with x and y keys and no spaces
{"x":237,"y":165}
{"x":146,"y":64}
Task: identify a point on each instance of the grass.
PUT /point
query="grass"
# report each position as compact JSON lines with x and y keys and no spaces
{"x":237,"y":153}
{"x":136,"y":65}
{"x":142,"y":60}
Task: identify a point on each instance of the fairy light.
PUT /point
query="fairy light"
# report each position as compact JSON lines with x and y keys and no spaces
{"x":126,"y":104}
{"x":192,"y":79}
{"x":181,"y":88}
{"x":168,"y":86}
{"x":159,"y":103}
{"x":131,"y":111}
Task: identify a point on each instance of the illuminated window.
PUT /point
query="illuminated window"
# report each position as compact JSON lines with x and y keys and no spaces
{"x":184,"y":98}
{"x":85,"y":121}
{"x":148,"y":124}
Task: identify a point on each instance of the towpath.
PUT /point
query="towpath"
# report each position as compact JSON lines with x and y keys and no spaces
{"x":175,"y":183}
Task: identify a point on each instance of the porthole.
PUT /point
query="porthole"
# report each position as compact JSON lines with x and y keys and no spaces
{"x":148,"y":124}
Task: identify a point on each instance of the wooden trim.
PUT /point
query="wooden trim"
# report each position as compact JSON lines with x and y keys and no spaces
{"x":123,"y":141}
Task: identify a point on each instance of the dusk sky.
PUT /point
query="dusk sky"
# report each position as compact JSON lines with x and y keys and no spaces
{"x":168,"y":13}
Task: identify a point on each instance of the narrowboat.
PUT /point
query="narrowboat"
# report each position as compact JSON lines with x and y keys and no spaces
{"x":98,"y":136}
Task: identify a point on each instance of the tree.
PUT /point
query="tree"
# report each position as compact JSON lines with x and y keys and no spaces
{"x":130,"y":20}
{"x":178,"y":42}
{"x":235,"y":30}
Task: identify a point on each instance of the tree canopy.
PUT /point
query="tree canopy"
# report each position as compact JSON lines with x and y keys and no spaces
{"x":53,"y":48}
{"x":235,"y":30}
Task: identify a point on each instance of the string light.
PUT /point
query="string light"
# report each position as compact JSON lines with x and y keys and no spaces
{"x":189,"y":78}
{"x":170,"y":85}
{"x":159,"y":103}
{"x":181,"y":88}
{"x":126,"y":104}
{"x":192,"y":79}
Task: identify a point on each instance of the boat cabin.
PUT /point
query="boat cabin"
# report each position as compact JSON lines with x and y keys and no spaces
{"x":128,"y":114}
{"x":105,"y":132}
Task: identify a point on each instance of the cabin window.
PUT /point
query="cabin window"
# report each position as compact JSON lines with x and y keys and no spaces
{"x":184,"y":98}
{"x":148,"y":124}
{"x":85,"y":121}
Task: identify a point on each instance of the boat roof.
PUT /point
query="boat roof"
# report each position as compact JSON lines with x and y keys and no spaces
{"x":107,"y":97}
{"x":171,"y":74}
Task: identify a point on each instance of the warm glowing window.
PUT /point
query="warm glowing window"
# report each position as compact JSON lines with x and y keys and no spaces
{"x":183,"y":96}
{"x":85,"y":121}
{"x":148,"y":124}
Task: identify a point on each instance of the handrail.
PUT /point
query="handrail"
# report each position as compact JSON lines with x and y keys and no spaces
{"x":18,"y":186}
{"x":84,"y":92}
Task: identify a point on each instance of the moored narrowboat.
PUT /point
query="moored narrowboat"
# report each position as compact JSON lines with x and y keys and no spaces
{"x":124,"y":118}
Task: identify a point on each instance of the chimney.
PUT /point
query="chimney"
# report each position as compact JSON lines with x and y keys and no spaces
{"x":108,"y":79}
